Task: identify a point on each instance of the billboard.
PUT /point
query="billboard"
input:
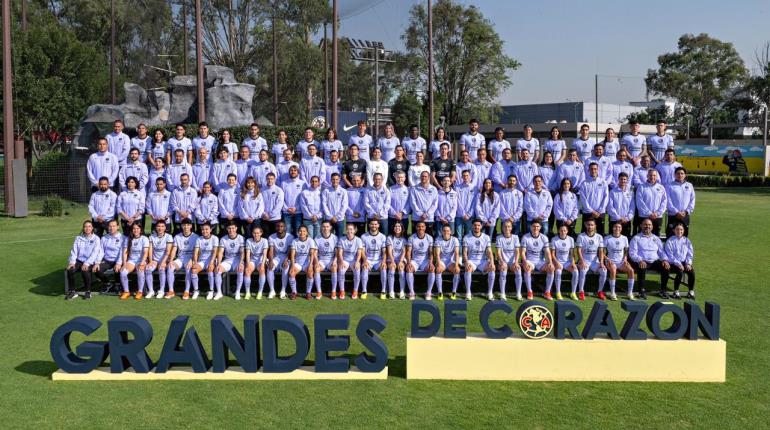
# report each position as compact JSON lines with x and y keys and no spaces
{"x":346,"y":126}
{"x":722,"y":158}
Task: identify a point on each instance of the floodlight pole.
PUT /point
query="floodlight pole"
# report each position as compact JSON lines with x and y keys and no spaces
{"x":113,"y":93}
{"x":8,"y":141}
{"x":335,"y":57}
{"x":186,"y":42}
{"x":199,"y":60}
{"x":376,"y":132}
{"x":275,"y":65}
{"x":326,"y":75}
{"x":431,"y":126}
{"x":596,"y":95}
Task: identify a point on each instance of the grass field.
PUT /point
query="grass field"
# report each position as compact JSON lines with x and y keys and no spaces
{"x":732,"y":257}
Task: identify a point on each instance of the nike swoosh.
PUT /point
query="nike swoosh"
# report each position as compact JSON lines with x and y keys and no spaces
{"x":346,"y":128}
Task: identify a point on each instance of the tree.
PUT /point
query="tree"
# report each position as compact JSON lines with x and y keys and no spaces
{"x":470,"y":68}
{"x":652,"y":115}
{"x":758,"y":86}
{"x":229,"y":36}
{"x":408,"y":109}
{"x":702,"y":75}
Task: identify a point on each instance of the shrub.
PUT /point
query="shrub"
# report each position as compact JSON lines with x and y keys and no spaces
{"x":238,"y":133}
{"x":53,"y":206}
{"x":721,"y":181}
{"x":47,"y":174}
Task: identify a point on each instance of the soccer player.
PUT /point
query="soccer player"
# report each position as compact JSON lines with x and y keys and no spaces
{"x":175,"y":171}
{"x":243,"y":165}
{"x":640,"y":172}
{"x":535,"y":255}
{"x":419,"y":257}
{"x":183,"y":200}
{"x":260,"y":168}
{"x":446,"y":252}
{"x":488,"y":207}
{"x":102,"y":164}
{"x":622,"y":205}
{"x":230,"y":258}
{"x":465,"y":163}
{"x":111,"y":254}
{"x":356,"y":211}
{"x":667,"y":167}
{"x":207,"y":208}
{"x":353,"y":167}
{"x":439,"y":138}
{"x":205,"y":257}
{"x":616,"y":245}
{"x":398,"y":164}
{"x":396,"y":246}
{"x":498,"y":144}
{"x":501,"y":170}
{"x":529,"y":143}
{"x":610,"y":144}
{"x":331,"y":143}
{"x":556,"y":145}
{"x":278,"y":259}
{"x":334,"y":203}
{"x":179,"y":142}
{"x":181,"y":257}
{"x":279,"y":148}
{"x":301,"y":258}
{"x":134,"y":167}
{"x":508,"y":245}
{"x":647,"y":253}
{"x":203,"y":140}
{"x":350,"y":252}
{"x":291,"y":212}
{"x":547,"y":170}
{"x":446,"y":211}
{"x":423,"y":201}
{"x":160,"y":244}
{"x":477,"y":255}
{"x":466,"y":206}
{"x":651,"y":201}
{"x":572,"y":168}
{"x":273,"y":199}
{"x":255,"y":142}
{"x":584,"y":143}
{"x":256,"y":259}
{"x":482,"y":167}
{"x":157,"y":148}
{"x":414,"y":143}
{"x":142,"y":142}
{"x":85,"y":251}
{"x":472,"y":140}
{"x":565,"y":207}
{"x":303,"y":145}
{"x":563,"y":258}
{"x":388,"y":143}
{"x":604,"y":163}
{"x":130,"y":205}
{"x":590,"y":247}
{"x":512,"y":205}
{"x":622,"y":165}
{"x":635,"y":143}
{"x":326,"y":258}
{"x":681,"y":202}
{"x":283,"y":166}
{"x":102,"y":205}
{"x":311,"y":164}
{"x":538,"y":204}
{"x":361,"y":140}
{"x":679,"y":255}
{"x":228,"y":201}
{"x":134,"y":258}
{"x":375,"y":166}
{"x":251,"y":205}
{"x":119,"y":142}
{"x":442,"y":166}
{"x":332,"y":166}
{"x":377,"y":200}
{"x":415,"y":170}
{"x":594,"y":197}
{"x":227,"y":144}
{"x":157,"y":171}
{"x":525,"y":171}
{"x":398,"y":210}
{"x":310,"y":206}
{"x":659,"y":142}
{"x":222,"y":168}
{"x":375,"y":251}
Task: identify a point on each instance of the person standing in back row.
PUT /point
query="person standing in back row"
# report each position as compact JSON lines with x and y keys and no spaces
{"x":472,"y":140}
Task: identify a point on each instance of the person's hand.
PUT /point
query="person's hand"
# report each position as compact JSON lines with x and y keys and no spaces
{"x":595,"y":214}
{"x":95,"y":268}
{"x":583,"y":265}
{"x":313,"y":218}
{"x":642,"y":264}
{"x":356,"y":215}
{"x":285,"y":264}
{"x":70,"y":266}
{"x":152,"y":265}
{"x":431,"y":267}
{"x":602,"y":266}
{"x":211,"y":267}
{"x":100,"y":218}
{"x":240,"y":268}
{"x":357,"y":266}
{"x":491,"y":267}
{"x":468,"y":267}
{"x":666,"y":265}
{"x":266,"y":217}
{"x":424,"y":216}
{"x":688,"y":268}
{"x":188,"y":266}
{"x":162,"y":266}
{"x":366,"y":265}
{"x":141,"y":266}
{"x":333,"y":220}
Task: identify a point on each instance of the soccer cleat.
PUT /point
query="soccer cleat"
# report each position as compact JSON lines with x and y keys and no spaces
{"x":138,"y":295}
{"x":573,"y":296}
{"x":218,"y":296}
{"x":259,"y":296}
{"x":71,"y":295}
{"x":441,"y":297}
{"x":150,"y":295}
{"x":159,"y":295}
{"x":342,"y":295}
{"x":392,"y":295}
{"x":186,"y":295}
{"x":354,"y":296}
{"x":210,"y":295}
{"x":613,"y":296}
{"x":530,"y":296}
{"x":195,"y":295}
{"x":170,"y":295}
{"x":453,"y":296}
{"x":123,"y":296}
{"x":334,"y":295}
{"x":318,"y":295}
{"x":468,"y":296}
{"x":364,"y":296}
{"x":282,"y":296}
{"x":663,"y":294}
{"x":676,"y":295}
{"x":643,"y":295}
{"x":247,"y":295}
{"x":237,"y":296}
{"x":581,"y":296}
{"x":411,"y":296}
{"x":631,"y":296}
{"x":691,"y":294}
{"x":601,"y":295}
{"x":87,"y":295}
{"x":293,"y":296}
{"x":559,"y":296}
{"x":428,"y":296}
{"x":383,"y":296}
{"x":490,"y":296}
{"x":308,"y":296}
{"x":401,"y":295}
{"x":271,"y":295}
{"x":519,"y":297}
{"x":548,"y":296}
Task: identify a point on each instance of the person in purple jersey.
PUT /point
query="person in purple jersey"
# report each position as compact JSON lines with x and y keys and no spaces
{"x":273,"y":198}
{"x":482,"y":167}
{"x":243,"y":165}
{"x":156,"y":171}
{"x":622,"y":206}
{"x":376,"y":201}
{"x":647,"y":253}
{"x":446,"y":211}
{"x":526,"y":170}
{"x":332,"y":166}
{"x":396,"y":254}
{"x":85,"y":251}
{"x":622,"y":165}
{"x":135,"y":255}
{"x":110,"y":256}
{"x":355,"y":213}
{"x":398,"y":211}
{"x":651,"y":201}
{"x":134,"y":167}
{"x":334,"y":203}
{"x":610,"y":144}
{"x":260,"y":168}
{"x":594,"y":197}
{"x":565,"y":207}
{"x":424,"y":201}
{"x":201,"y":170}
{"x":283,"y":166}
{"x":130,"y":205}
{"x":183,"y":200}
{"x":538,"y":204}
{"x":251,"y":205}
{"x":466,"y":206}
{"x":119,"y":142}
{"x":604,"y":163}
{"x":159,"y":252}
{"x":178,"y":168}
{"x":667,"y":167}
{"x":102,"y":205}
{"x":102,"y":164}
{"x":679,"y":254}
{"x":310,"y":206}
{"x":207,"y":208}
{"x":465,"y":164}
{"x":572,"y":168}
{"x":502,"y":169}
{"x":512,"y":205}
{"x":292,"y":214}
{"x":221,"y":169}
{"x":311,"y":164}
{"x":228,"y":201}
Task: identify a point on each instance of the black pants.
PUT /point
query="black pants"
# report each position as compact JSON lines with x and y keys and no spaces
{"x":99,"y":227}
{"x":248,"y":227}
{"x":101,"y":276}
{"x":625,"y":228}
{"x":599,"y":220}
{"x":268,"y":227}
{"x":570,"y":229}
{"x":657,"y":266}
{"x":678,"y":273}
{"x":85,"y":274}
{"x":127,"y":227}
{"x":656,"y":224}
{"x":672,"y":221}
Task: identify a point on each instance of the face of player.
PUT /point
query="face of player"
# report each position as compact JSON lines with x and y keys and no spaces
{"x":622,"y":181}
{"x":158,"y":135}
{"x":669,"y":155}
{"x":563,"y":230}
{"x":660,"y":128}
{"x":507,"y":154}
{"x":420,"y":158}
{"x":400,"y":178}
{"x":117,"y":127}
{"x":186,"y":229}
{"x":142,"y":131}
{"x":161,"y":185}
{"x":424,"y":179}
{"x":398,"y":230}
{"x":584,"y":132}
{"x":446,"y":232}
{"x":376,"y":154}
{"x":226,"y":136}
{"x":499,"y":134}
{"x":473,"y":127}
{"x":507,"y":229}
{"x":160,"y":228}
{"x":309,"y":135}
{"x":593,"y":170}
{"x":590,"y":228}
{"x":312,"y":150}
{"x":511,"y":182}
{"x":566,"y":185}
{"x":136,"y":230}
{"x":447,"y":183}
{"x":444,"y":150}
{"x":302,"y":233}
{"x":646,"y":162}
{"x":388,"y":131}
{"x":263,"y":155}
{"x":203,"y":155}
{"x":223,"y":154}
{"x":534,"y":229}
{"x":525,"y":155}
{"x":414,"y":132}
{"x":466,"y":177}
{"x":287,"y":155}
{"x":377,"y":181}
{"x":253,"y":131}
{"x":399,"y":152}
{"x":634,"y":129}
{"x":465,"y":157}
{"x":357,"y":181}
{"x":280,"y":228}
{"x":335,"y":181}
{"x":244,"y":153}
{"x":440,"y":135}
{"x":420,"y":230}
{"x":112,"y":227}
{"x":102,"y":145}
{"x":334,"y":156}
{"x":231,"y":181}
{"x":616,"y":229}
{"x":293,"y":172}
{"x":104,"y":185}
{"x":609,"y":135}
{"x":206,"y":231}
{"x":555,"y":134}
{"x":652,"y":176}
{"x":179,"y":132}
{"x":527,"y":133}
{"x":184,"y":181}
{"x":598,"y":150}
{"x":680,"y":176}
{"x":270,"y":179}
{"x":282,"y":136}
{"x":361,"y":129}
{"x":374,"y":227}
{"x":481,"y":154}
{"x":537,"y":183}
{"x":326,"y":229}
{"x":487,"y":185}
{"x":203,"y":131}
{"x":256,"y":233}
{"x":622,"y":155}
{"x":131,"y":184}
{"x":572,"y":156}
{"x":178,"y":157}
{"x":476,"y":228}
{"x":646,"y":227}
{"x":206,"y":188}
{"x":88,"y":228}
{"x":548,"y":159}
{"x":251,"y":184}
{"x":353,"y":152}
{"x":350,"y":230}
{"x":679,"y":230}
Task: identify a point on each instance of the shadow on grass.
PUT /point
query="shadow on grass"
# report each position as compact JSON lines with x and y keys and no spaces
{"x":51,"y":284}
{"x":37,"y":368}
{"x":397,"y":367}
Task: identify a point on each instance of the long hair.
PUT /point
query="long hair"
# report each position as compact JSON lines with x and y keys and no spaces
{"x":487,"y":194}
{"x":561,"y":186}
{"x":558,"y":133}
{"x":245,"y":189}
{"x":553,"y":163}
{"x":131,"y":236}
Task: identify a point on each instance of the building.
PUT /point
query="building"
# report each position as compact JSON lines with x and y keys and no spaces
{"x":567,"y":112}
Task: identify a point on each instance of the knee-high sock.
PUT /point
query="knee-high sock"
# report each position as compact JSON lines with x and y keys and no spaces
{"x":140,"y":280}
{"x":490,"y":282}
{"x":440,"y":283}
{"x":308,"y":284}
{"x":262,"y":278}
{"x":527,"y":281}
{"x":356,"y":279}
{"x":161,"y":280}
{"x":187,"y":280}
{"x":341,"y":278}
{"x":503,"y":279}
{"x":285,"y":280}
{"x":317,"y":279}
{"x":384,"y":278}
{"x":402,"y":280}
{"x":517,"y":279}
{"x":612,"y":286}
{"x":246,"y":283}
{"x":548,"y":281}
{"x":170,"y":277}
{"x":271,"y":280}
{"x":602,"y":278}
{"x":631,"y":285}
{"x":334,"y":280}
{"x":392,"y":280}
{"x":431,"y":281}
{"x":148,"y":280}
{"x":215,"y":282}
{"x":194,"y":280}
{"x":468,"y":279}
{"x":410,"y":281}
{"x":582,"y":282}
{"x":364,"y":279}
{"x":557,"y":280}
{"x":239,"y":280}
{"x":292,"y":284}
{"x":575,"y":280}
{"x":455,"y":282}
{"x":124,"y":280}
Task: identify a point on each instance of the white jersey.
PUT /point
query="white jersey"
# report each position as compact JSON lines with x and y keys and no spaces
{"x":563,"y":249}
{"x":327,"y":248}
{"x":373,"y":246}
{"x":231,"y":247}
{"x":477,"y":247}
{"x":413,"y":146}
{"x":535,"y":247}
{"x":446,"y":248}
{"x":257,"y":249}
{"x":185,"y":245}
{"x":590,"y":246}
{"x":350,"y":247}
{"x":532,"y":145}
{"x":509,"y":247}
{"x":420,"y":248}
{"x":616,"y":247}
{"x":388,"y":147}
{"x":184,"y":144}
{"x":472,"y":143}
{"x":280,"y":245}
{"x":364,"y":144}
{"x":634,"y":143}
{"x":659,"y":145}
{"x":397,"y":246}
{"x":159,"y":244}
{"x":138,"y":245}
{"x":496,"y":147}
{"x":302,"y":249}
{"x":206,"y":247}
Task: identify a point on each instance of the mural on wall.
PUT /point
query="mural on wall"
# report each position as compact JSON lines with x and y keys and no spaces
{"x":722,"y":159}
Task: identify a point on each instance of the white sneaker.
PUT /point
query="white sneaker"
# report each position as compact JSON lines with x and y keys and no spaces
{"x":631,"y":296}
{"x":428,"y":297}
{"x":259,"y":296}
{"x":469,"y":296}
{"x":392,"y":295}
{"x":150,"y":295}
{"x":519,"y":297}
{"x":282,"y":296}
{"x":613,"y":296}
{"x":218,"y":296}
{"x":271,"y":295}
{"x":159,"y":295}
{"x":503,"y":297}
{"x":237,"y":296}
{"x":195,"y":294}
{"x":491,"y":296}
{"x":210,"y":295}
{"x":401,"y":295}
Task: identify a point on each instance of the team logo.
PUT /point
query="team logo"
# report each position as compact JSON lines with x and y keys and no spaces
{"x":280,"y":244}
{"x":232,"y":244}
{"x":535,"y":321}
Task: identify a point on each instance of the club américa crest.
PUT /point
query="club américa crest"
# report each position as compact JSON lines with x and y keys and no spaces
{"x":535,"y":320}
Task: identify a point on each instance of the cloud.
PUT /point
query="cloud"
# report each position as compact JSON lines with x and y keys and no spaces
{"x":688,"y":151}
{"x":711,"y":148}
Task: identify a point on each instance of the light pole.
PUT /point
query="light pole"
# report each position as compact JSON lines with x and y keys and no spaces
{"x":430,"y":70}
{"x":199,"y":61}
{"x":275,"y":65}
{"x":374,"y":52}
{"x":335,"y":58}
{"x":8,"y":143}
{"x":113,"y":96}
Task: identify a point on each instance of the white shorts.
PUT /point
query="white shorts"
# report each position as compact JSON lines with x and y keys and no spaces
{"x":181,"y":262}
{"x":229,"y":264}
{"x":134,"y":261}
{"x":619,"y":265}
{"x":376,"y":265}
{"x":302,"y":267}
{"x":510,"y":261}
{"x":565,"y":264}
{"x":204,"y":264}
{"x":447,"y":262}
{"x":536,"y":265}
{"x":480,"y":266}
{"x":419,"y":266}
{"x":325,"y":264}
{"x":278,"y":262}
{"x":593,"y":267}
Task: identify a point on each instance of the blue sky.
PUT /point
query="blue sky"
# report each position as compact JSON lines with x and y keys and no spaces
{"x":563,"y":44}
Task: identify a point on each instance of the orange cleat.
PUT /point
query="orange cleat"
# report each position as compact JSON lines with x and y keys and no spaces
{"x":124,"y":295}
{"x":138,"y":295}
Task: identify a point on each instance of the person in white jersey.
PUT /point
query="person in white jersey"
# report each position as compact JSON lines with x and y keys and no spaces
{"x":256,"y":260}
{"x":301,"y":259}
{"x":447,"y":255}
{"x":326,"y":259}
{"x":135,"y":254}
{"x":508,"y":255}
{"x":563,"y":258}
{"x":231,"y":252}
{"x":181,"y":257}
{"x":278,"y":258}
{"x":396,"y":247}
{"x":616,"y":246}
{"x":205,"y":257}
{"x":477,"y":256}
{"x":350,"y":252}
{"x":590,"y":246}
{"x":375,"y":246}
{"x":535,"y":255}
{"x":419,"y":254}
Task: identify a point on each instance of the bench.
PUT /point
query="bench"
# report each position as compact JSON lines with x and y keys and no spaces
{"x":178,"y":274}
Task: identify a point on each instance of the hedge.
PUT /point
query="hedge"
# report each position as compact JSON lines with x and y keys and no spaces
{"x":237,"y":133}
{"x":729,"y":181}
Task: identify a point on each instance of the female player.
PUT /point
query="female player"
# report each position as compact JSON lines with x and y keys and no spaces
{"x":590,"y":248}
{"x":301,"y":259}
{"x":157,"y":149}
{"x":280,"y":146}
{"x":563,"y":258}
{"x":439,"y":137}
{"x":535,"y":255}
{"x":446,"y":252}
{"x":556,"y":146}
{"x":225,"y":143}
{"x":374,"y":253}
{"x":278,"y":259}
{"x":231,"y":259}
{"x":130,"y":206}
{"x":156,"y":170}
{"x":488,"y":207}
{"x":111,"y":255}
{"x":396,"y":245}
{"x":546,"y":170}
{"x":617,"y":260}
{"x":565,"y":207}
{"x":85,"y":251}
{"x":331,"y":143}
{"x":134,"y":258}
{"x":159,"y":252}
{"x":181,"y":258}
{"x":610,"y":143}
{"x":251,"y":205}
{"x":205,"y":258}
{"x":326,"y":259}
{"x":508,"y":255}
{"x":419,"y":254}
{"x":679,"y":255}
{"x":207,"y":209}
{"x":256,"y":259}
{"x":350,"y":252}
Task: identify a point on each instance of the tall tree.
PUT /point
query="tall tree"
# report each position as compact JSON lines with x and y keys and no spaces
{"x":470,"y":68}
{"x":229,"y":36}
{"x":758,"y":86}
{"x":702,"y":75}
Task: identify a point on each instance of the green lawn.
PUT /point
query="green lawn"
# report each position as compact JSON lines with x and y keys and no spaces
{"x":732,"y":258}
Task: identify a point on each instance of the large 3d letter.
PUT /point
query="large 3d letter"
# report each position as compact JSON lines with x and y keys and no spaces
{"x":191,"y":352}
{"x":70,"y":362}
{"x":366,"y":332}
{"x":225,"y":338}
{"x":271,"y":325}
{"x":324,"y":344}
{"x":125,"y":353}
{"x":430,"y":330}
{"x":486,"y":312}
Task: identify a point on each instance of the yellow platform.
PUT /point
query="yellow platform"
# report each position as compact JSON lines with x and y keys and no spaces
{"x":520,"y":359}
{"x":305,"y":373}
